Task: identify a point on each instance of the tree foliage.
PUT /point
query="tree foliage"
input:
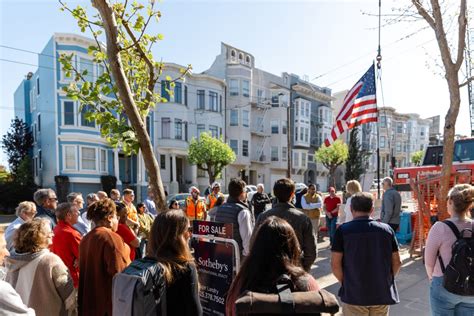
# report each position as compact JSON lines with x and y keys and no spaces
{"x":332,"y":157}
{"x":357,"y":158}
{"x":416,"y":157}
{"x":17,"y":143}
{"x":210,"y":154}
{"x":122,"y":96}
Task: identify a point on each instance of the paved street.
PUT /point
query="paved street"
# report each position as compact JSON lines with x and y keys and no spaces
{"x":412,"y":282}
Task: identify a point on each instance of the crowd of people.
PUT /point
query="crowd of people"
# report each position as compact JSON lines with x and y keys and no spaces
{"x":61,"y":259}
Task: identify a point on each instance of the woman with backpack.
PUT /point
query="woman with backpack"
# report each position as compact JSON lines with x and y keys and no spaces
{"x":168,"y":244}
{"x":275,"y":252}
{"x":442,"y":243}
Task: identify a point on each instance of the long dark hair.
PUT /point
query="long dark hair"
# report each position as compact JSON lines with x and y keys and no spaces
{"x":274,"y":251}
{"x":168,"y":243}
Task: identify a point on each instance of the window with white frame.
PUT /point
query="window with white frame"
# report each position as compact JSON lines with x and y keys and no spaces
{"x":274,"y":126}
{"x":297,"y":107}
{"x":165,"y":127}
{"x":260,"y":126}
{"x":233,"y":87}
{"x":303,"y":160}
{"x":296,"y":159}
{"x":382,"y":141}
{"x":234,"y":117}
{"x":284,"y":127}
{"x":245,"y":88}
{"x":32,"y":99}
{"x":307,"y":109}
{"x":306,"y":135}
{"x":399,"y":146}
{"x":86,"y":64}
{"x":68,"y":113}
{"x":86,"y":108}
{"x":213,"y":105}
{"x":284,"y":153}
{"x":245,"y":118}
{"x":103,"y":160}
{"x":214,"y":131}
{"x":88,"y":158}
{"x":245,"y":148}
{"x":178,"y":129}
{"x":234,"y":145}
{"x":100,"y":70}
{"x":200,"y":129}
{"x":274,"y":153}
{"x":201,"y":99}
{"x":69,"y":157}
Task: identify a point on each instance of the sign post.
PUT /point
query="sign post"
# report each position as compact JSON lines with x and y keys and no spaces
{"x":218,"y":259}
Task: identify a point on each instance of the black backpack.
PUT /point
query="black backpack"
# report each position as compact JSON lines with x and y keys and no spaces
{"x":140,"y":289}
{"x":459,"y":274}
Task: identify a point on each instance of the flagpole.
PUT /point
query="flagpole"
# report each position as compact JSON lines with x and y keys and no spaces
{"x":379,"y":60}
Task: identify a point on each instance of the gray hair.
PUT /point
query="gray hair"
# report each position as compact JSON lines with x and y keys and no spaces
{"x":63,"y":209}
{"x":71,"y":197}
{"x":388,"y":180}
{"x":41,"y":195}
{"x":25,"y":207}
{"x":91,"y":196}
{"x":260,"y":185}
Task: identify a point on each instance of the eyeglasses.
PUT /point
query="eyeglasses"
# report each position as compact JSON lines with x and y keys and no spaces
{"x":54,"y":199}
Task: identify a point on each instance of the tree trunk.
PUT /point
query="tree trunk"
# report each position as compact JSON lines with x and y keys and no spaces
{"x":448,"y":149}
{"x":212,"y":175}
{"x":126,"y":97}
{"x":451,"y":67}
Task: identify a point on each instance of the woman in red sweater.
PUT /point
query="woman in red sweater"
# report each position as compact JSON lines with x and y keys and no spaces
{"x":124,"y":230}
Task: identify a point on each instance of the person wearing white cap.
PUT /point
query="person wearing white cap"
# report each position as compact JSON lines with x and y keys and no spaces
{"x":194,"y":207}
{"x":214,"y":195}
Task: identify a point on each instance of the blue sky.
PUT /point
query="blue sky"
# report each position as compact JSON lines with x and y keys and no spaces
{"x":303,"y":37}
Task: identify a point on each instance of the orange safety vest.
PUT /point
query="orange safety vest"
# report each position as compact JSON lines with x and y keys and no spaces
{"x":213,"y":199}
{"x":195,"y":210}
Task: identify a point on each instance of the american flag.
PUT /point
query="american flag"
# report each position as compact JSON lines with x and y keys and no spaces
{"x":359,"y":107}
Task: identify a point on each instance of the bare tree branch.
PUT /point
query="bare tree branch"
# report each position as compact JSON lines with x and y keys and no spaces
{"x":465,"y":83}
{"x":462,"y":20}
{"x":422,"y":11}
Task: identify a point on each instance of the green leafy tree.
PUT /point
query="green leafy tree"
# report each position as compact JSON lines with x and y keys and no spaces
{"x":332,"y":157}
{"x":120,"y":99}
{"x":357,"y":158}
{"x":4,"y":174}
{"x":416,"y":157}
{"x":17,"y":143}
{"x":210,"y":154}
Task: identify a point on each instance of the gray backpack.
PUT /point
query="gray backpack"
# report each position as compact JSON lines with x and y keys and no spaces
{"x":140,"y":289}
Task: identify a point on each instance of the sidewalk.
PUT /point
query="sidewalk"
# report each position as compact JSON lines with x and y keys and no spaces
{"x":412,"y":282}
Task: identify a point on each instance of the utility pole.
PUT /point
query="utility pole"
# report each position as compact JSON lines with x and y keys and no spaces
{"x":288,"y":136}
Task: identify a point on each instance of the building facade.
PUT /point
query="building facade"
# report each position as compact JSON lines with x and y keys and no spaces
{"x":66,"y":144}
{"x":196,"y":105}
{"x":311,"y":118}
{"x":256,"y":117}
{"x":400,"y":136}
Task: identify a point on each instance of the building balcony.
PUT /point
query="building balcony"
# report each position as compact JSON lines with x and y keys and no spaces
{"x":263,"y":159}
{"x":261,"y":104}
{"x":259,"y":132}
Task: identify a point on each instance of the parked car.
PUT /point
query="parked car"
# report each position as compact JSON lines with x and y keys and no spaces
{"x":300,"y":186}
{"x":251,"y":190}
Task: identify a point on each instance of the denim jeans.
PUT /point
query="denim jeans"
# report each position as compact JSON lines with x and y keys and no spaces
{"x":331,"y":225}
{"x":444,"y":303}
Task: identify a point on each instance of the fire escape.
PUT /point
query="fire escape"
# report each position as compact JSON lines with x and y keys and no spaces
{"x":258,"y":129}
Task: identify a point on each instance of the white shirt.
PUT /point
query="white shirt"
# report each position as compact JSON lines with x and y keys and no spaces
{"x":10,"y":231}
{"x":11,"y":303}
{"x":245,"y":229}
{"x":347,"y":216}
{"x":310,"y":206}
